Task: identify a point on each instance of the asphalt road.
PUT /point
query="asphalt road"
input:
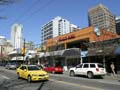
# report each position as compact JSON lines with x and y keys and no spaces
{"x":9,"y":81}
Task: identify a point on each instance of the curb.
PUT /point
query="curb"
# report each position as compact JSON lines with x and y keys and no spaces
{"x":108,"y":76}
{"x":117,"y":77}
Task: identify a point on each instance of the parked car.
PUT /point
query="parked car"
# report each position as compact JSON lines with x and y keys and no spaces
{"x":88,"y":69}
{"x":11,"y":66}
{"x":32,"y":73}
{"x":54,"y":69}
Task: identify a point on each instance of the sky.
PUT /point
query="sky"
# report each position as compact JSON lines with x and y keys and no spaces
{"x":33,"y":14}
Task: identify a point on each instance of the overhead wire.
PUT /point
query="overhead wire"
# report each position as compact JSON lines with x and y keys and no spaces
{"x":7,"y":2}
{"x":27,"y":11}
{"x":38,"y":10}
{"x":5,"y":5}
{"x":18,"y":19}
{"x":47,"y":4}
{"x":3,"y":9}
{"x":34,"y":12}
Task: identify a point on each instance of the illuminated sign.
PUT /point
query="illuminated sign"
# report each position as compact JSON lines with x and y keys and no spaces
{"x":66,"y":37}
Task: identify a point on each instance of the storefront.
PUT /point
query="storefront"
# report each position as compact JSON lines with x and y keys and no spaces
{"x":106,"y":53}
{"x":80,"y":39}
{"x":65,"y":58}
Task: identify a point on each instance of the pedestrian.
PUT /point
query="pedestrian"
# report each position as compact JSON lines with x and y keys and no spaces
{"x":113,"y":68}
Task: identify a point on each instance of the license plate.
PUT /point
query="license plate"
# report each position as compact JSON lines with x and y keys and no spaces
{"x":42,"y":77}
{"x":102,"y":71}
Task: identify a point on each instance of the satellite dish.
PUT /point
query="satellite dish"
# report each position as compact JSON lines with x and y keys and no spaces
{"x":97,"y":31}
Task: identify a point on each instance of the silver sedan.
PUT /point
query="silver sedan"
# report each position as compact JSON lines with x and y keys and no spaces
{"x":11,"y":66}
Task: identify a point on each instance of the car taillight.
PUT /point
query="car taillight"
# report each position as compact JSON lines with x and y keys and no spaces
{"x":56,"y":69}
{"x":97,"y":69}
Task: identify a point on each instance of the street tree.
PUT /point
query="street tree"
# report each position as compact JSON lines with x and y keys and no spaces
{"x":101,"y":44}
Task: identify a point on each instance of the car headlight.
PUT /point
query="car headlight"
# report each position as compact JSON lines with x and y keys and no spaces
{"x":47,"y":74}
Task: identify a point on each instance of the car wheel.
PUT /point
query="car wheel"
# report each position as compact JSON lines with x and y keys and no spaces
{"x":18,"y":76}
{"x":29,"y":79}
{"x":72,"y":73}
{"x":90,"y":75}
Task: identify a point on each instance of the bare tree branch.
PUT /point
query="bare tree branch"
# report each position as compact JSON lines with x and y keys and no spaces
{"x":6,"y":2}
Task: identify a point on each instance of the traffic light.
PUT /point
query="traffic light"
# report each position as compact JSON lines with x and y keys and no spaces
{"x":23,"y":51}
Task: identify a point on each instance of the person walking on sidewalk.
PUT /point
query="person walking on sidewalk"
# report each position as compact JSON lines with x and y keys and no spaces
{"x":113,"y":68}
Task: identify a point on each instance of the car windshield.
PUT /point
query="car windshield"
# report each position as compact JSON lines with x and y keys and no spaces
{"x":33,"y":68}
{"x":11,"y":64}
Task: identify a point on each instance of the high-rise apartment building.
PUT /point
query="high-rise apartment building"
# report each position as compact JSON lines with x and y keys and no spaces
{"x":2,"y":40}
{"x":101,"y":17}
{"x":16,"y":36}
{"x":2,"y":44}
{"x":118,"y":25}
{"x":5,"y":47}
{"x":57,"y":26}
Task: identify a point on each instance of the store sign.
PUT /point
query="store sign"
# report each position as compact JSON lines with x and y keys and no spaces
{"x":66,"y":37}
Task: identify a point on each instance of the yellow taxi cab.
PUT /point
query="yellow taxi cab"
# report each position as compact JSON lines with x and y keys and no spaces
{"x":32,"y":73}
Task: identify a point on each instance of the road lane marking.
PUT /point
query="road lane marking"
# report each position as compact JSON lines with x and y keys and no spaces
{"x":5,"y":77}
{"x":78,"y":85}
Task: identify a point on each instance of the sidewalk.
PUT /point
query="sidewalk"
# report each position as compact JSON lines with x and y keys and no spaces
{"x":109,"y":76}
{"x":106,"y":79}
{"x":109,"y":79}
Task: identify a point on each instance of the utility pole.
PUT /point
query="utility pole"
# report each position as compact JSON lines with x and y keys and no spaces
{"x":23,"y":48}
{"x":1,"y":52}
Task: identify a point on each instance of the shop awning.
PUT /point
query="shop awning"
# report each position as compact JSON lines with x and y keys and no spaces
{"x":14,"y":53}
{"x":99,"y":51}
{"x":74,"y":52}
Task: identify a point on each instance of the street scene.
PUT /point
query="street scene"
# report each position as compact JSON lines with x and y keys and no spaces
{"x":59,"y":45}
{"x":9,"y":81}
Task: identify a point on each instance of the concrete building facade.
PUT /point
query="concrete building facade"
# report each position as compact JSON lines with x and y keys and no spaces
{"x":16,"y":36}
{"x":5,"y":47}
{"x":100,"y":17}
{"x":57,"y":26}
{"x":2,"y":40}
